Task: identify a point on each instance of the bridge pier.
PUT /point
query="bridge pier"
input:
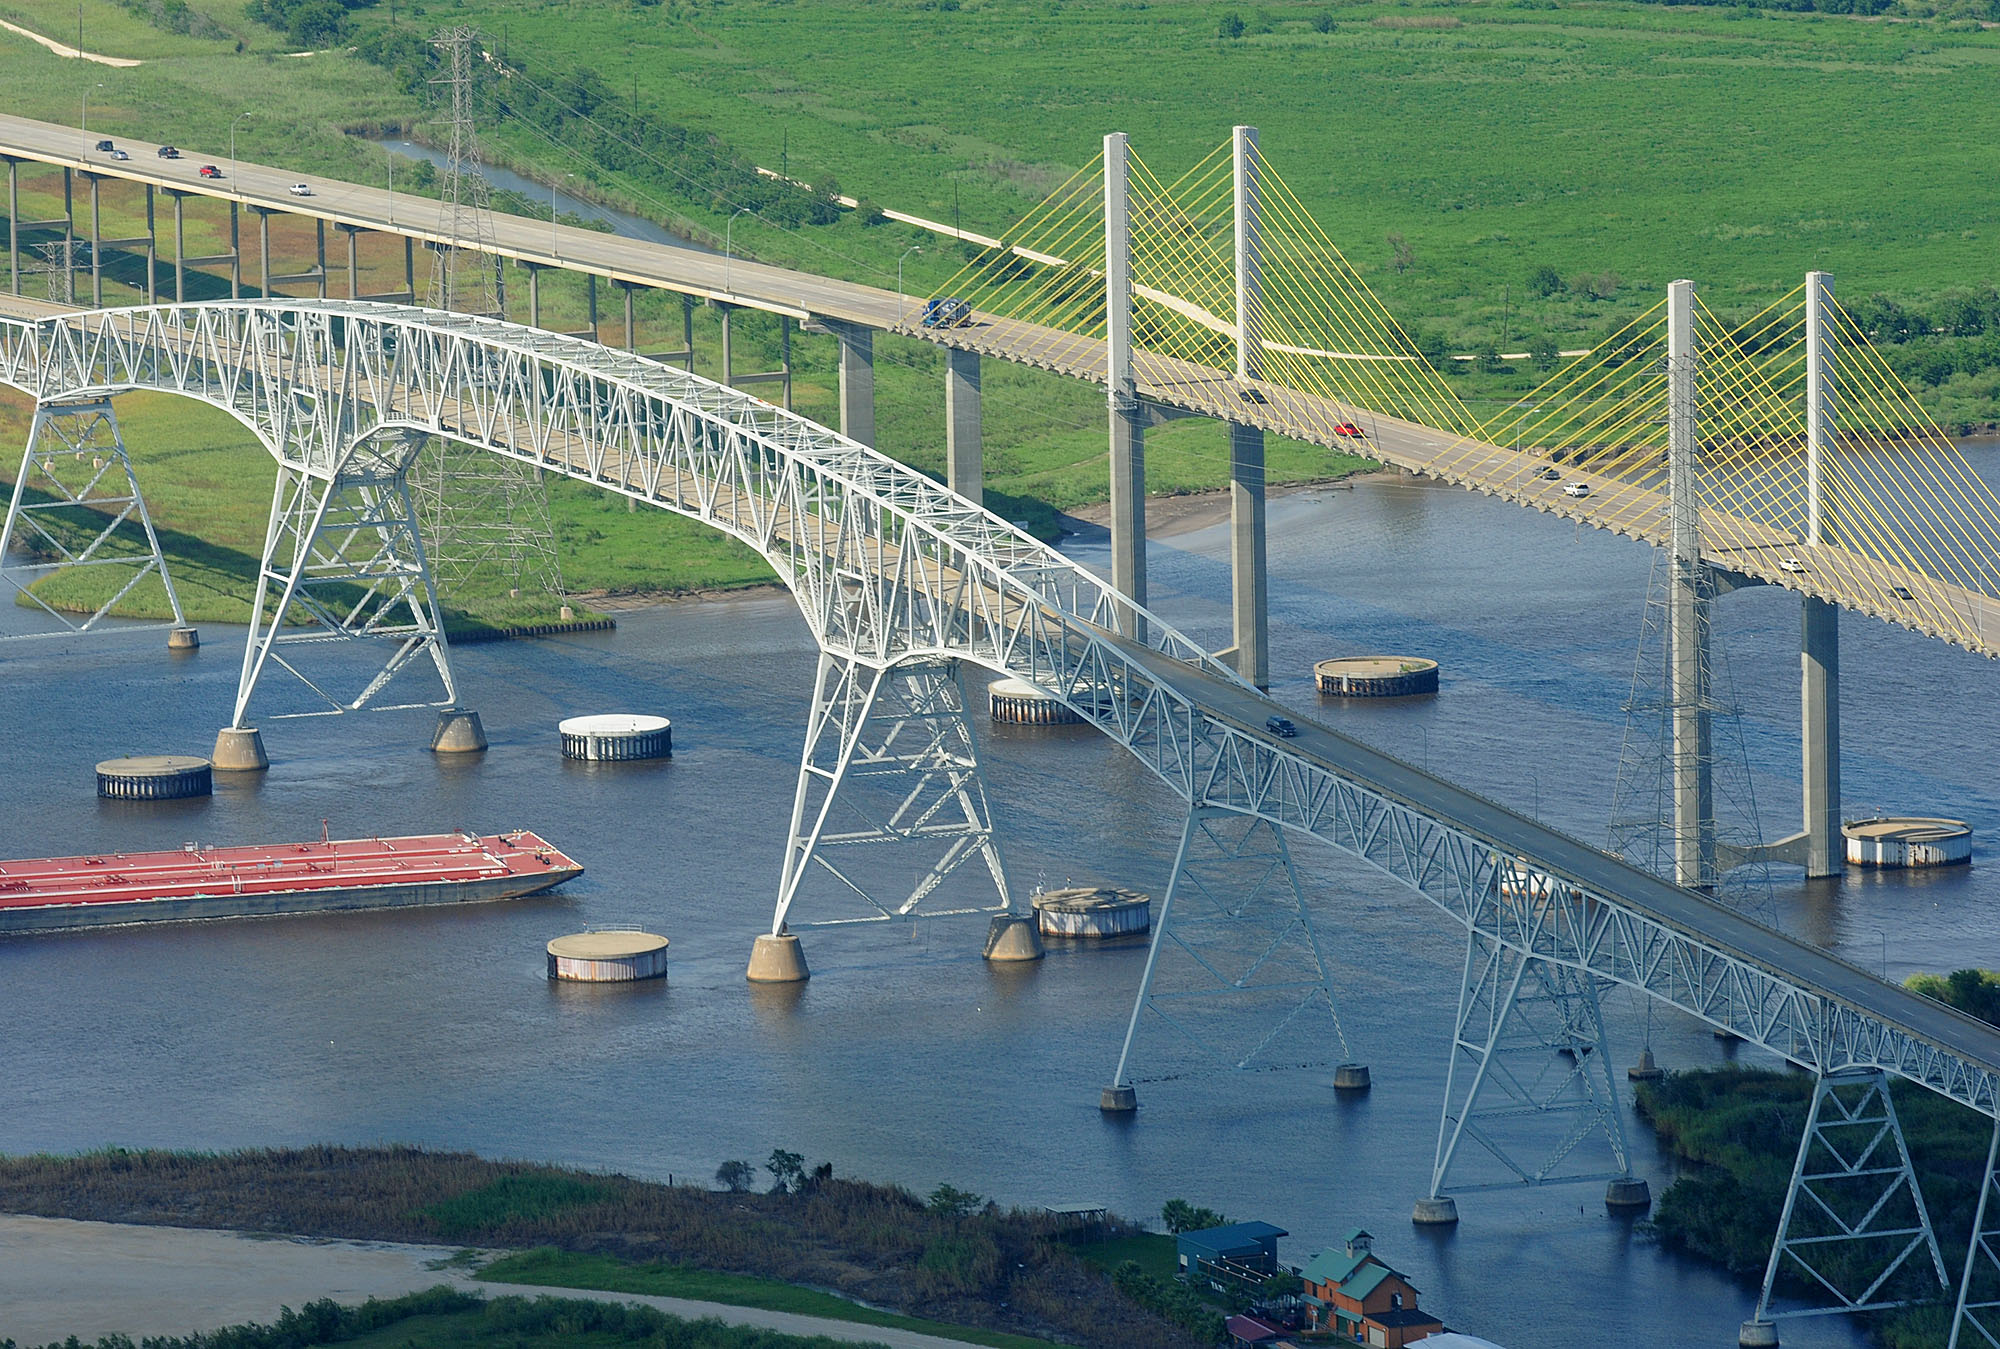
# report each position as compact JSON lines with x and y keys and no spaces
{"x":1691,"y":735}
{"x":901,"y":737}
{"x":1234,"y":943}
{"x":76,"y":456}
{"x":96,"y":245}
{"x":1248,"y":577}
{"x":857,"y":382}
{"x":1128,"y":435}
{"x":965,"y":470}
{"x":1856,"y":1240}
{"x":329,"y":538}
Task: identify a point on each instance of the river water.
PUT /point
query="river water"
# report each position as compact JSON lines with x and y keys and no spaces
{"x":907,"y":1058}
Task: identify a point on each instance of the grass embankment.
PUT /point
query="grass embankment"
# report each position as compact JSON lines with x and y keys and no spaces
{"x":1741,"y":1129}
{"x":993,"y":1270}
{"x":442,"y":1318}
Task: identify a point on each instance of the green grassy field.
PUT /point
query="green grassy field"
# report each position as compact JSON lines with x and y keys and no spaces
{"x":564,"y":1269}
{"x":1623,"y":144}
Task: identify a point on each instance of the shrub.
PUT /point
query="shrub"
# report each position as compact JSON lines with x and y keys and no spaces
{"x":1232,"y":26}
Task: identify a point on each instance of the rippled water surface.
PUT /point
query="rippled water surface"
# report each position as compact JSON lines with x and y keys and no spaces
{"x":906,"y":1058}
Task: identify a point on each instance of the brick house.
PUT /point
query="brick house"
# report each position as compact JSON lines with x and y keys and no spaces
{"x":1352,"y":1292}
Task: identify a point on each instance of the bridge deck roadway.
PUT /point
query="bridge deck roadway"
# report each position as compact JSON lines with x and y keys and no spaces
{"x":1936,"y":607}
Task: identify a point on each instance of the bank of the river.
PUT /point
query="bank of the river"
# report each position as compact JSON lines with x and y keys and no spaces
{"x":1737,"y":1129}
{"x":884,"y":1252}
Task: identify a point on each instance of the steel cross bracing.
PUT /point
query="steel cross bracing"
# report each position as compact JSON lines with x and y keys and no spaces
{"x":889,"y":566}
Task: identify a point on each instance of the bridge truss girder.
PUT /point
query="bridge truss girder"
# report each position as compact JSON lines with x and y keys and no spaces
{"x":889,"y":566}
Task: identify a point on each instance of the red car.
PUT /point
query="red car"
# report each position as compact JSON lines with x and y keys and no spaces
{"x":1348,"y":429}
{"x":210,"y":171}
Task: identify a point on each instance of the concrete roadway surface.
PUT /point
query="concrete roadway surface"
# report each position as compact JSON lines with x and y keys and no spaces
{"x":1565,"y":858}
{"x":60,"y":1278}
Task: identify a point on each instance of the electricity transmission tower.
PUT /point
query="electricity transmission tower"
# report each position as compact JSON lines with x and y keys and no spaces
{"x":481,"y":514}
{"x":1644,"y":828}
{"x":59,"y":261}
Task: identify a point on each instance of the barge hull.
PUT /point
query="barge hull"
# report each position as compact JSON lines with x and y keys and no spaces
{"x":193,"y":908}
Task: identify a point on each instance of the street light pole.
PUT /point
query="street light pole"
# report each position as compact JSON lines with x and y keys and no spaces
{"x":232,"y":152}
{"x":913,"y":248}
{"x":86,"y":89}
{"x":392,"y":187}
{"x":727,"y":242}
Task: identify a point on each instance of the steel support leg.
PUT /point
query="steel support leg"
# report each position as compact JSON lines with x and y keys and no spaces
{"x":1528,"y":1050}
{"x":344,"y":562}
{"x":77,"y":504}
{"x":1979,"y":1285}
{"x":889,"y":758}
{"x":1235,"y":970}
{"x":1854,"y":1220}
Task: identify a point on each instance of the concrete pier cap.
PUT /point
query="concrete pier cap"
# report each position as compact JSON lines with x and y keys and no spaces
{"x":1435,"y":1210}
{"x":458,"y":732}
{"x":1757,"y":1335}
{"x":184,"y":639}
{"x":777,"y":958}
{"x":239,"y":749}
{"x":1647,"y":1069}
{"x":1118,"y":1100}
{"x":1351,"y":1077}
{"x":1012,"y":937}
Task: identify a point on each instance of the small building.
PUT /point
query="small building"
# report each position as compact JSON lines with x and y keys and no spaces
{"x":1252,"y":1330}
{"x":1237,"y":1251}
{"x":1353,"y":1293}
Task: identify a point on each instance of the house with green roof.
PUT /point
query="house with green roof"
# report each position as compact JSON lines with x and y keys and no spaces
{"x":1354,"y":1293}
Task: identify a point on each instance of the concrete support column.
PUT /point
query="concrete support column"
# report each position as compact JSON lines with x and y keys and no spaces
{"x":729,"y":355}
{"x":590,"y":294}
{"x":69,"y":232}
{"x":96,"y":248}
{"x":1691,"y":749}
{"x":353,"y":264}
{"x":1819,"y":694}
{"x":180,"y":249}
{"x":410,"y":267}
{"x":534,"y":296}
{"x":965,"y":470}
{"x":631,"y":323}
{"x":687,"y":330}
{"x":235,"y":252}
{"x":785,"y":355}
{"x":1128,"y":437}
{"x":857,"y":382}
{"x":264,"y":254}
{"x":152,"y":249}
{"x":320,"y":231}
{"x":1249,"y":592}
{"x":14,"y":222}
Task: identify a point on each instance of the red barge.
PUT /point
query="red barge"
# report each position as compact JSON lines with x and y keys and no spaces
{"x":193,"y":881}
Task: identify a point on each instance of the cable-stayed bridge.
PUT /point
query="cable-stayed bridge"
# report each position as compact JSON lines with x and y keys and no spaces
{"x":1721,"y":444}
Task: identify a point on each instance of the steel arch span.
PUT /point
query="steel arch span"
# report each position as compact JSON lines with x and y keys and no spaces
{"x":889,"y":567}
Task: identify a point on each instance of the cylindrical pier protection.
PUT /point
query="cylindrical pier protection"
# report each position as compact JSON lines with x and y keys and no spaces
{"x":154,"y":777}
{"x":608,"y":957}
{"x":1092,"y":911}
{"x":1907,"y":841}
{"x":1019,"y":703}
{"x":1376,"y":676}
{"x":616,"y":737}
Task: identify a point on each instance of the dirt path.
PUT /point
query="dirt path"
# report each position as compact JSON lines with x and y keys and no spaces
{"x":60,"y":1278}
{"x":121,"y":62}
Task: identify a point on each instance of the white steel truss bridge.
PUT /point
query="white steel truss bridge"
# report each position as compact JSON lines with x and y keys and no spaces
{"x":898,"y":578}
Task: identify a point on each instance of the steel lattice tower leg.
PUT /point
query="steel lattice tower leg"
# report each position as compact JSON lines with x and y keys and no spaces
{"x":1528,"y":1047}
{"x":1853,"y":1197}
{"x":1234,"y":932}
{"x":344,"y":561}
{"x":889,"y":758}
{"x":1979,"y":1284}
{"x":76,"y":458}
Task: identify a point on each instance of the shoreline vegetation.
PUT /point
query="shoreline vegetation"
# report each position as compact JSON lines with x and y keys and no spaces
{"x":814,"y":1243}
{"x":1737,"y":1131}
